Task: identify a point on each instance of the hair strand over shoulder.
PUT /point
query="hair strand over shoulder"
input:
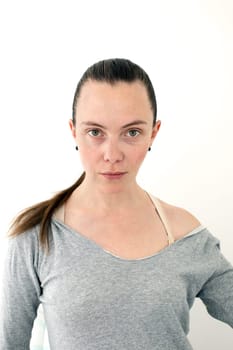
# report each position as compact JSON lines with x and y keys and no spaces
{"x":41,"y":214}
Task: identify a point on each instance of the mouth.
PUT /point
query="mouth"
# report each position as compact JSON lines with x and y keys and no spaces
{"x":113,"y":175}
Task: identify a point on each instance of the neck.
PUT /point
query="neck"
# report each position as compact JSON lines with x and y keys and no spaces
{"x":108,"y":199}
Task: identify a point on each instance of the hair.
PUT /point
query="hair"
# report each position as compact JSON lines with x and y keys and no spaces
{"x":110,"y":71}
{"x":116,"y":70}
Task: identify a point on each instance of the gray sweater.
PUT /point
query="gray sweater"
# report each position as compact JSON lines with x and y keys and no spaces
{"x":94,"y":300}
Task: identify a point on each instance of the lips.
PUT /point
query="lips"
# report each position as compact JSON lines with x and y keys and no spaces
{"x":113,"y":175}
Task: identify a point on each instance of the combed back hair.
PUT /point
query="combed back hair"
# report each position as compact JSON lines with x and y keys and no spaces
{"x":116,"y":70}
{"x":110,"y":71}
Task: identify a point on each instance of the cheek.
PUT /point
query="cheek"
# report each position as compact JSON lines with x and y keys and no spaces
{"x":85,"y":155}
{"x":86,"y":148}
{"x":138,"y":156}
{"x":88,"y":157}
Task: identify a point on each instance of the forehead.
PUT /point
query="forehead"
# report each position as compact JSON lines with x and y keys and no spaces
{"x":121,"y":98}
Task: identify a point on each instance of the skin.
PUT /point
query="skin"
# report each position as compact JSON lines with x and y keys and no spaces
{"x":112,"y":146}
{"x":113,"y":131}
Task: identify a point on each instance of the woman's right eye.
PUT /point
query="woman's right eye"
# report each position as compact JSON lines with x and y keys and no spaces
{"x":94,"y":132}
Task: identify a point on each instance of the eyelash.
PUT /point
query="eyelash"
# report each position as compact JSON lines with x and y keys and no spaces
{"x":137,"y":131}
{"x":89,"y":132}
{"x":99,"y":131}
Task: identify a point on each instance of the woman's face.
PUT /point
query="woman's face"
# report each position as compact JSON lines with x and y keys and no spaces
{"x":113,"y":131}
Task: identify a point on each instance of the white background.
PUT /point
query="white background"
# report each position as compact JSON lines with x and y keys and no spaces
{"x":186,"y":47}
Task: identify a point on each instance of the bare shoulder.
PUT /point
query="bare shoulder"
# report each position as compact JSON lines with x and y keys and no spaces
{"x":181,"y":221}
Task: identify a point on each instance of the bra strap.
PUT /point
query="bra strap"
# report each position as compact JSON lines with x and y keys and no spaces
{"x":163,"y":217}
{"x":60,"y":213}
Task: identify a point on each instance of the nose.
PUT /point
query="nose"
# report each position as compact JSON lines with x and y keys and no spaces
{"x":112,"y":152}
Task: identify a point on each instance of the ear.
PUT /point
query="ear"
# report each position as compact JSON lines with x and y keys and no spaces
{"x":72,"y":128}
{"x":155,"y":130}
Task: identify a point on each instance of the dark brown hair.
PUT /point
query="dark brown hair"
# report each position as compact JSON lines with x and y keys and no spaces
{"x":113,"y":71}
{"x":110,"y":71}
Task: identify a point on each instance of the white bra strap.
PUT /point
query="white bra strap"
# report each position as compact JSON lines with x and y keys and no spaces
{"x":59,"y":213}
{"x":163,"y":218}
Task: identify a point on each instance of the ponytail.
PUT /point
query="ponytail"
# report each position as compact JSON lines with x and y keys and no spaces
{"x":41,"y":213}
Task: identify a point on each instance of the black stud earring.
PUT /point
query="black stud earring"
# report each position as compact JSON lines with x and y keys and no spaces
{"x":149,"y":149}
{"x":76,"y":148}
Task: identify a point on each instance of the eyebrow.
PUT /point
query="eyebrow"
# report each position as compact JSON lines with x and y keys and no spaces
{"x":135,"y":122}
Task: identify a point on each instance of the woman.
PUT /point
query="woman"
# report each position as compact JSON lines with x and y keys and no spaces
{"x":113,"y":266}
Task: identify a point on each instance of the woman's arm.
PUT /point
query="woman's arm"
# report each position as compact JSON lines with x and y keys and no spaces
{"x":20,"y":293}
{"x":216,"y":271}
{"x":217,"y":292}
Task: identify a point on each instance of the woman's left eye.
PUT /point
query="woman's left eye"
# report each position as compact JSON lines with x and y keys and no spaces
{"x":133,"y":132}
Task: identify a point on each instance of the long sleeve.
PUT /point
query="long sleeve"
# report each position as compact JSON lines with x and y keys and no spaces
{"x":217,"y":292}
{"x":20,"y":292}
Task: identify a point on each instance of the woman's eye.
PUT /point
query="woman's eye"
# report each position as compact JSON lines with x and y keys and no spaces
{"x":133,"y":132}
{"x":94,"y":132}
